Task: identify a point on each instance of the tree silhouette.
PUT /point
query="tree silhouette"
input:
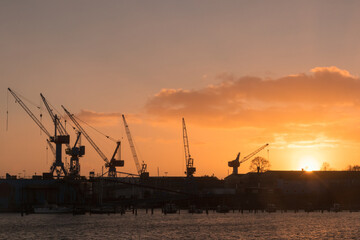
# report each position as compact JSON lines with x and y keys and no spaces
{"x":325,"y":166}
{"x":259,"y":164}
{"x":354,"y":168}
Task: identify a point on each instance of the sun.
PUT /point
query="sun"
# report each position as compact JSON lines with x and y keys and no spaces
{"x":309,"y":163}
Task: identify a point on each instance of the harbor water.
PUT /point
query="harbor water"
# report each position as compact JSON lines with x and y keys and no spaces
{"x":233,"y":225}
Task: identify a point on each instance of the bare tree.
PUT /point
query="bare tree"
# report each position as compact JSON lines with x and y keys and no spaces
{"x":259,"y":164}
{"x":353,"y":168}
{"x":325,"y":166}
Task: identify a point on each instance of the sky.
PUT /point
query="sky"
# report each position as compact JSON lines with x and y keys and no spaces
{"x":241,"y":73}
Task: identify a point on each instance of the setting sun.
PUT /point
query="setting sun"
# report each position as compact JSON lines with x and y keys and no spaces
{"x":309,"y":163}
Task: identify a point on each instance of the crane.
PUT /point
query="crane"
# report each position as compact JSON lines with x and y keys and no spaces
{"x":51,"y":147}
{"x":140,"y":169}
{"x":58,"y":165}
{"x":76,"y":151}
{"x":235,"y":164}
{"x":113,"y":163}
{"x":189,"y":161}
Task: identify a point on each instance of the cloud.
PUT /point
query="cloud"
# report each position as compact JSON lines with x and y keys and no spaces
{"x":332,"y":69}
{"x":252,"y":101}
{"x":107,"y":119}
{"x":311,"y":103}
{"x":99,"y":118}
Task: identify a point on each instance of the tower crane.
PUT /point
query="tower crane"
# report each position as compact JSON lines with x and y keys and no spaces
{"x":113,"y":163}
{"x":189,"y":161}
{"x":59,"y":140}
{"x":140,"y":169}
{"x":76,"y":151}
{"x":235,"y":164}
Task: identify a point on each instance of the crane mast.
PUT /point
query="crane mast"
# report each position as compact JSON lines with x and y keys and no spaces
{"x":74,"y":152}
{"x":51,"y":147}
{"x":58,"y":165}
{"x":189,"y":161}
{"x":113,"y":163}
{"x":140,"y":169}
{"x":235,"y":164}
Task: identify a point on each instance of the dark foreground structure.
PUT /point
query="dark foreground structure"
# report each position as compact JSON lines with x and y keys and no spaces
{"x":281,"y":190}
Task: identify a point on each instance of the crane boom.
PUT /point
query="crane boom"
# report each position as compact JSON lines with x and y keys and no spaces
{"x":132,"y":147}
{"x":189,"y":161}
{"x":253,"y":153}
{"x":28,"y":111}
{"x":186,"y":142}
{"x":235,"y":164}
{"x":113,"y":163}
{"x":79,"y":127}
{"x":60,"y":127}
{"x":57,"y":139}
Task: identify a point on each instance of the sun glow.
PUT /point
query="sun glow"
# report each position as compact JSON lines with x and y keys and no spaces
{"x":309,"y":163}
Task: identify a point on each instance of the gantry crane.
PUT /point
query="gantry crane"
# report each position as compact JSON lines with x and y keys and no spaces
{"x":189,"y":161}
{"x":140,"y":169}
{"x":76,"y":151}
{"x":59,"y":140}
{"x":235,"y":164}
{"x":113,"y":163}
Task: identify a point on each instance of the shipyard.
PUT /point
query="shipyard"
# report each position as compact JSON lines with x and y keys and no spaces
{"x":167,"y":119}
{"x":63,"y":189}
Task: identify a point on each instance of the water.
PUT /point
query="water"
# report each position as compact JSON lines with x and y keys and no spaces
{"x":301,"y":225}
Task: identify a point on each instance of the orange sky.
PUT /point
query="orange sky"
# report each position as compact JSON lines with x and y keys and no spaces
{"x":307,"y":119}
{"x":242,"y":73}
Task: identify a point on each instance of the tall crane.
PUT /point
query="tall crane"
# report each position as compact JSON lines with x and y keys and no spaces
{"x":235,"y":164}
{"x":51,"y":147}
{"x":74,"y":152}
{"x":59,"y":140}
{"x":113,"y":163}
{"x":140,"y":169}
{"x":189,"y":161}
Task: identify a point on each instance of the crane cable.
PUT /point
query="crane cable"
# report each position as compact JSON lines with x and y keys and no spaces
{"x":107,"y":136}
{"x":40,"y":114}
{"x":7,"y":111}
{"x":24,"y":98}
